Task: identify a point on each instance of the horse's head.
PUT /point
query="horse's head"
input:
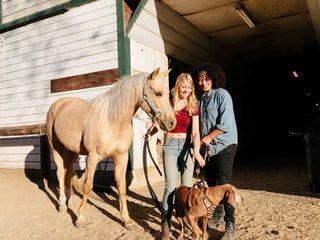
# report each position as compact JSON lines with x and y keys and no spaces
{"x":156,"y":102}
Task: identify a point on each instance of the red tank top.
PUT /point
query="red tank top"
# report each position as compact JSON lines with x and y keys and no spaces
{"x":184,"y":120}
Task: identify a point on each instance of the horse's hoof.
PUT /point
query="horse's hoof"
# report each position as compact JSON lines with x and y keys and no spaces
{"x":70,"y":204}
{"x":63,"y":209}
{"x":129,"y":226}
{"x":81,"y":224}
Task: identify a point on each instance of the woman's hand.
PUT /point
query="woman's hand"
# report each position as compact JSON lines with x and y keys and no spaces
{"x":147,"y":136}
{"x":197,"y":156}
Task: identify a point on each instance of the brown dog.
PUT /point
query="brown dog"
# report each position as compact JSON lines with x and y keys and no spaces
{"x":200,"y":202}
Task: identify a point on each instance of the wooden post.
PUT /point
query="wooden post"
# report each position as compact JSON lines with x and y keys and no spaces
{"x":45,"y":161}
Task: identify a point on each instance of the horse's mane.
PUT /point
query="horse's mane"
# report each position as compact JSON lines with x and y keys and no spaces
{"x":116,"y":102}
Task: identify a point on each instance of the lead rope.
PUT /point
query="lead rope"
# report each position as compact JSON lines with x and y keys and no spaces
{"x":146,"y":148}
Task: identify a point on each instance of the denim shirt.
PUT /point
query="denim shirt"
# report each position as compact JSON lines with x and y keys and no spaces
{"x":216,"y":111}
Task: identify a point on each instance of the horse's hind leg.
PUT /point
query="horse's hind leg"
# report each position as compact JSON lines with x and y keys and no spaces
{"x":93,"y":159}
{"x":120,"y":167}
{"x":60,"y":175}
{"x":70,"y":174}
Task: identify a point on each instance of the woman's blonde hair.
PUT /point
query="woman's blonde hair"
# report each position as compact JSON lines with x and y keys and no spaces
{"x":192,"y":100}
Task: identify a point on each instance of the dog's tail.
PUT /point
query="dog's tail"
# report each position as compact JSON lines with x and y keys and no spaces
{"x":236,"y":193}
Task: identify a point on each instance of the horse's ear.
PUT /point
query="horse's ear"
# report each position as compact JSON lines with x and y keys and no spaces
{"x":155,"y":74}
{"x":165,"y":73}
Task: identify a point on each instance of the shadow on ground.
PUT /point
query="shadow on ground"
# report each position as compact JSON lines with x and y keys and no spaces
{"x":277,"y":173}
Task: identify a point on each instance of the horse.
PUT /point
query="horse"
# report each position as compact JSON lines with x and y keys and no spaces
{"x":102,"y":128}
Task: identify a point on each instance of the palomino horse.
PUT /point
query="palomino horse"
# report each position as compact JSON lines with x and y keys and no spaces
{"x":102,"y":128}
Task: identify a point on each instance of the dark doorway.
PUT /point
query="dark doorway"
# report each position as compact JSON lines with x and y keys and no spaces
{"x":177,"y":67}
{"x":277,"y":108}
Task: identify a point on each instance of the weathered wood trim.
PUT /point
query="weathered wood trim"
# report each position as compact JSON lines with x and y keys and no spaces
{"x":88,"y":80}
{"x":1,"y":12}
{"x":23,"y":130}
{"x":127,"y":14}
{"x":124,"y":62}
{"x":135,"y":16}
{"x":61,"y":8}
{"x":58,"y":9}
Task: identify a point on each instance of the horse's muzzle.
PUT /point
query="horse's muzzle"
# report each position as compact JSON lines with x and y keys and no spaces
{"x":167,"y":121}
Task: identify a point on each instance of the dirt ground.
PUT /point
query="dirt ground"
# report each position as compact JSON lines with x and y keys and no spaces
{"x":277,"y":205}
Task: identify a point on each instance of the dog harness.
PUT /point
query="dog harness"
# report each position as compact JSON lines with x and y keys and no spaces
{"x":207,"y":203}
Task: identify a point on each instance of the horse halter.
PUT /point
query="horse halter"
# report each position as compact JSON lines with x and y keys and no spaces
{"x":156,"y":114}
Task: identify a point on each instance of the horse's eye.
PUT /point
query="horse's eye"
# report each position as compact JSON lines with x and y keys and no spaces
{"x":158,"y":94}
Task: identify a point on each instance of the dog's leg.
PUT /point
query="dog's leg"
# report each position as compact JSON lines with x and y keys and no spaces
{"x":199,"y":229}
{"x":194,"y":225}
{"x":204,"y":228}
{"x":180,"y":220}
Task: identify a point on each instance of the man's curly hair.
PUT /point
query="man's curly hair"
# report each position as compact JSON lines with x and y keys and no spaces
{"x":213,"y":71}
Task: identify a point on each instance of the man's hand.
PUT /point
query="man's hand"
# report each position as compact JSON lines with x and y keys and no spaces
{"x":207,"y":140}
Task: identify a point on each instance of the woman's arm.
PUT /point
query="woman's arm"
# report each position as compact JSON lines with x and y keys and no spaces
{"x":196,"y":141}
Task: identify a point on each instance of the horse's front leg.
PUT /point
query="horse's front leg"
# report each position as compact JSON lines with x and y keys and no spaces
{"x":93,"y":159}
{"x":120,"y":167}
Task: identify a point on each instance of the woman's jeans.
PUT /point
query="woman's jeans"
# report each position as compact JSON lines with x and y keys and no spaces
{"x":176,"y":159}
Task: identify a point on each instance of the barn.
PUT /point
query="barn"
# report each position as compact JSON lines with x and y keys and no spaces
{"x":52,"y":49}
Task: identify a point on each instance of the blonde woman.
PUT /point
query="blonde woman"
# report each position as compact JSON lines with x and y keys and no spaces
{"x":176,"y":148}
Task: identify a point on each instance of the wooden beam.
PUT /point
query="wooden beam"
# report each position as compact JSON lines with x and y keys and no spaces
{"x":314,"y":9}
{"x":23,"y":130}
{"x":87,"y":80}
{"x":124,"y":62}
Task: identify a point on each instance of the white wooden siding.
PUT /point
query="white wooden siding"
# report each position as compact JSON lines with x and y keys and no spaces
{"x":13,"y":150}
{"x":83,"y":40}
{"x":12,"y":10}
{"x":80,"y":41}
{"x":145,"y":59}
{"x":161,"y":28}
{"x":16,"y":152}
